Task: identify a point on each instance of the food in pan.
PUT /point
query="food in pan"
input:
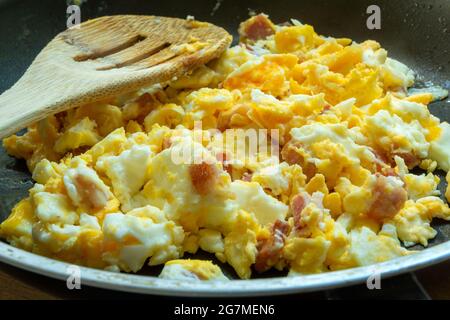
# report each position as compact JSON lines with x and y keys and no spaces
{"x":193,"y":270}
{"x":336,"y":191}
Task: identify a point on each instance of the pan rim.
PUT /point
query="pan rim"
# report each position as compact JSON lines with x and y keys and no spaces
{"x":234,"y":288}
{"x":256,"y":287}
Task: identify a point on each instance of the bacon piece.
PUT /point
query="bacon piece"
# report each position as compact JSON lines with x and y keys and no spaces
{"x":269,"y":250}
{"x":325,"y":109}
{"x":79,"y":150}
{"x":166,"y":143}
{"x":410,"y":159}
{"x":298,"y":203}
{"x":383,"y":165}
{"x":247,"y":177}
{"x":388,"y":172}
{"x":203,"y":177}
{"x":256,"y":28}
{"x":145,"y":98}
{"x":382,"y":157}
{"x":382,"y":160}
{"x":290,"y":154}
{"x":387,"y":199}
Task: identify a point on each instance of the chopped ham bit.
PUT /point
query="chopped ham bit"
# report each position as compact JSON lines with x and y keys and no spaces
{"x":203,"y":177}
{"x":383,"y":165}
{"x":256,"y":28}
{"x":269,"y":250}
{"x":381,"y":160}
{"x":90,"y":193}
{"x":325,"y":109}
{"x":387,"y":199}
{"x":381,"y":156}
{"x":221,"y":157}
{"x":247,"y":177}
{"x":79,"y":150}
{"x":145,"y":98}
{"x":410,"y":159}
{"x":388,"y":172}
{"x":290,"y":154}
{"x":298,"y":203}
{"x":166,"y":143}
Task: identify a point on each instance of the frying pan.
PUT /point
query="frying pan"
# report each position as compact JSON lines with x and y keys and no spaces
{"x":414,"y":32}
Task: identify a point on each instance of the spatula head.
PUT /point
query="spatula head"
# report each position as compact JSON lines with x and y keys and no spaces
{"x":106,"y":57}
{"x":137,"y":42}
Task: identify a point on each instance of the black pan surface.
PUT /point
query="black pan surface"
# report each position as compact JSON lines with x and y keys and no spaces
{"x":414,"y":32}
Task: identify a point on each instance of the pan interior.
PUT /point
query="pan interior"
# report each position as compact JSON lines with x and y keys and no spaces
{"x":414,"y":32}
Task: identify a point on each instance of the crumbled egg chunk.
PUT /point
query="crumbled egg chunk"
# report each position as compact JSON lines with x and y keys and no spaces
{"x":53,"y":208}
{"x":310,"y":134}
{"x":192,"y":270}
{"x":81,"y":134}
{"x":391,"y":132}
{"x":252,"y":198}
{"x":369,"y":247}
{"x":84,"y":187}
{"x":273,"y":178}
{"x":440,"y":148}
{"x":127,"y":172}
{"x":420,"y":186}
{"x":141,"y":234}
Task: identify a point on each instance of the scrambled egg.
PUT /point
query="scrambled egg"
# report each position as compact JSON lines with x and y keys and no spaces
{"x":114,"y":190}
{"x":192,"y":270}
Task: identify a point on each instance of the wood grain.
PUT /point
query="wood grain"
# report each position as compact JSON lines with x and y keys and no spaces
{"x":106,"y":57}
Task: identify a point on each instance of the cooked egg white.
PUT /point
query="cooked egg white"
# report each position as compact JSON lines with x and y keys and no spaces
{"x":440,"y":148}
{"x":192,"y":270}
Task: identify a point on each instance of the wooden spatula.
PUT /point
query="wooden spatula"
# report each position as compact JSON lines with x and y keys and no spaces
{"x":104,"y":57}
